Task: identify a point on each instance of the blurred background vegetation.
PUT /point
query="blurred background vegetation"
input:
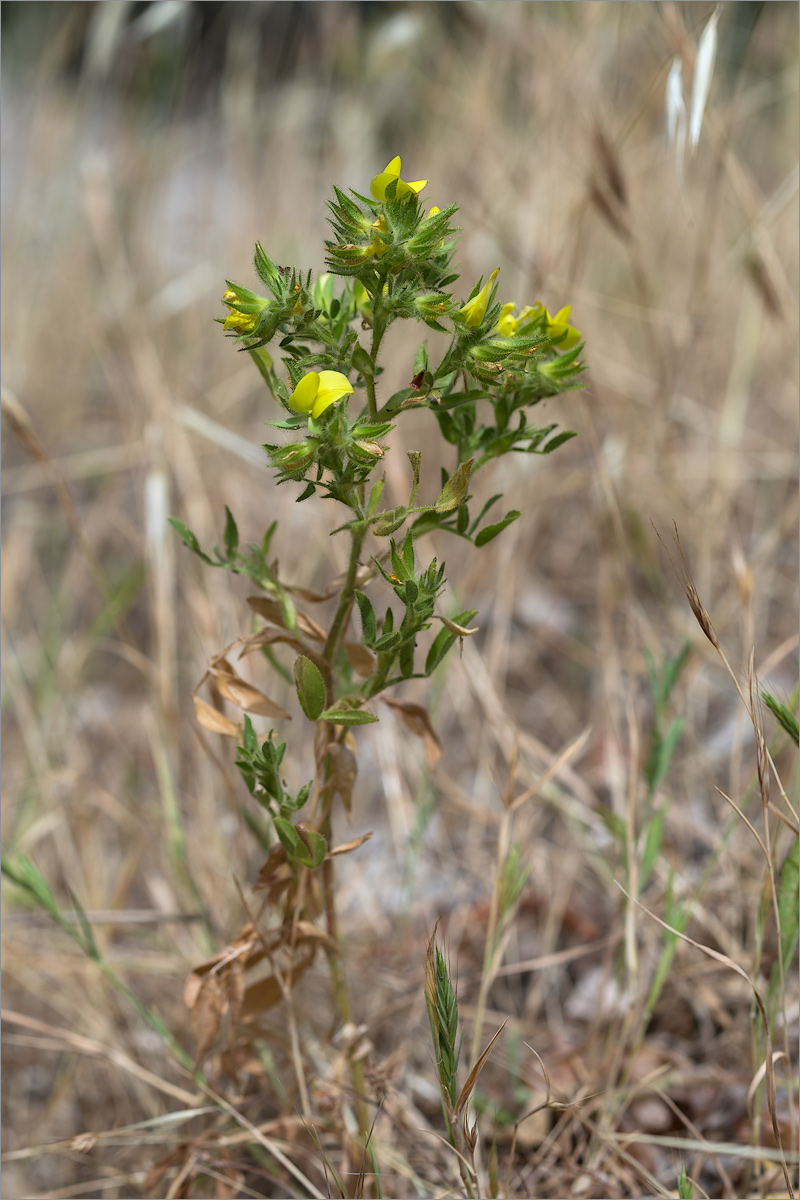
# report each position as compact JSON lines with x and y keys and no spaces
{"x":145,"y":148}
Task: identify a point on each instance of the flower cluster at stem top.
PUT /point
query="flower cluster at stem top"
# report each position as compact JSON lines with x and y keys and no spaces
{"x":394,"y":259}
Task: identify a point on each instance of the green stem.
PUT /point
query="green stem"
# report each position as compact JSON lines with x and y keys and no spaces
{"x":378,"y":330}
{"x":339,"y":979}
{"x":339,"y":624}
{"x":335,"y":956}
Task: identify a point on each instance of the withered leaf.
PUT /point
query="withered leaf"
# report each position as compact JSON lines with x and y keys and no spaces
{"x":234,"y":994}
{"x":360,"y":658}
{"x":267,"y":637}
{"x":471,"y":1079}
{"x":244,"y":694}
{"x":417,"y":719}
{"x":209,"y":718}
{"x":207,"y":1017}
{"x":459,"y":630}
{"x":343,"y":771}
{"x":348,"y":847}
{"x":272,"y":611}
{"x":266,"y":993}
{"x":308,"y":932}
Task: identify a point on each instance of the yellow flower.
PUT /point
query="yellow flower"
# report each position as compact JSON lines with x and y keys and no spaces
{"x":558,"y":327}
{"x":433,"y":211}
{"x":392,"y":175}
{"x":560,"y":330}
{"x":507,"y":325}
{"x":241,"y":322}
{"x":474,"y":310}
{"x":317,"y":391}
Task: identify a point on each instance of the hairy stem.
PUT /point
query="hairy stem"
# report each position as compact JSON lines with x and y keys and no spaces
{"x":336,"y":956}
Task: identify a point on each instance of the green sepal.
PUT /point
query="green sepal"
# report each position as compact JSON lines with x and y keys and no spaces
{"x":389,"y":521}
{"x":454,"y":491}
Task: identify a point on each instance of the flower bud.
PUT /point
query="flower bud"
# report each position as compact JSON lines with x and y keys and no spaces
{"x":474,"y":310}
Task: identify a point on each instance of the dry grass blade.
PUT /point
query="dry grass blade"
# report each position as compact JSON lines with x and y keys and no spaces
{"x":471,"y":1079}
{"x":769,"y":1063}
{"x":268,"y":1143}
{"x":84,"y":1045}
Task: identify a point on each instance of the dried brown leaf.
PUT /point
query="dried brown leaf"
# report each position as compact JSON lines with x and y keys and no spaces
{"x":460,"y":630}
{"x":267,"y":637}
{"x":466,"y":1091}
{"x":234,"y":994}
{"x":272,"y":611}
{"x":248,"y":697}
{"x":360,"y":658}
{"x":343,"y":771}
{"x":348,"y":847}
{"x":266,"y":993}
{"x":207,"y":1017}
{"x":209,"y":718}
{"x":308,"y":932}
{"x":417,"y":719}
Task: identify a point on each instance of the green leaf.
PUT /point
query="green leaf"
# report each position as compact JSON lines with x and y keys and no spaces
{"x":189,"y":538}
{"x":316,"y":847}
{"x":787,"y":903}
{"x":376,"y":491}
{"x":369,"y":626}
{"x":231,"y":535}
{"x":558,"y":440}
{"x":454,"y":491}
{"x":445,"y":639}
{"x":289,"y":837}
{"x":491,"y":531}
{"x":362,"y":361}
{"x":348,"y":716}
{"x":408,"y":552}
{"x":310,"y":687}
{"x":652,"y":845}
{"x":662,"y":752}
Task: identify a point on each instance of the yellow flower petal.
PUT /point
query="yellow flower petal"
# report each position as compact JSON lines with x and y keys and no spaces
{"x":317,"y":391}
{"x":333,"y":386}
{"x":474,"y":310}
{"x":507,"y":325}
{"x":304,"y":395}
{"x":391,"y":174}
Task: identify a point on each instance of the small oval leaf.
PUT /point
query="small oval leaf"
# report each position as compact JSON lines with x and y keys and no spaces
{"x":310,"y":687}
{"x":348,"y":716}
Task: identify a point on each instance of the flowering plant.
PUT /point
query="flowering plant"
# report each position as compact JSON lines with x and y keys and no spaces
{"x":388,"y":260}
